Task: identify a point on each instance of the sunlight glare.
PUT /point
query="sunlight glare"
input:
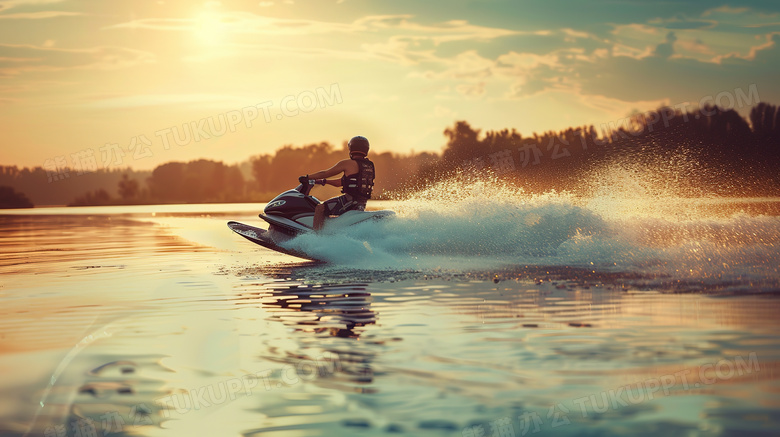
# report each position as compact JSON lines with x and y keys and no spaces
{"x":209,"y":27}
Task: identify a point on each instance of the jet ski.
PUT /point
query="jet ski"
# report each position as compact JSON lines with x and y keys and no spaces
{"x":292,"y":212}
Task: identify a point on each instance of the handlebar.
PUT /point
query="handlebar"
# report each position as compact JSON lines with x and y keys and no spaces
{"x":304,"y":188}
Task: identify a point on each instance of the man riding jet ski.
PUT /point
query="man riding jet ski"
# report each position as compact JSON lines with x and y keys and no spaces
{"x":356,"y":183}
{"x":295,"y":211}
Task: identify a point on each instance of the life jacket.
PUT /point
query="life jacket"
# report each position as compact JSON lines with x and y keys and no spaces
{"x":360,"y":184}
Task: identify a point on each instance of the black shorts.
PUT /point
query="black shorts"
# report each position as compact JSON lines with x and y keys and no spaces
{"x":341,"y":204}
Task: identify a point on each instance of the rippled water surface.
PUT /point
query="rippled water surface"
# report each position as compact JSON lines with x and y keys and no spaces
{"x":546,"y":318}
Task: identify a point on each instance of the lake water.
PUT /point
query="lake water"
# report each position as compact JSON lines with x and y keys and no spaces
{"x":481,"y":316}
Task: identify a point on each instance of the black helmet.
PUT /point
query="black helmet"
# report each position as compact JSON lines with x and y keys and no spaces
{"x":358,"y":144}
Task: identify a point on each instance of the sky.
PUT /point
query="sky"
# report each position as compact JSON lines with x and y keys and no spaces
{"x":137,"y":83}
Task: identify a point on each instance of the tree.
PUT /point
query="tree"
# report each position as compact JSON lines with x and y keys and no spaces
{"x":197,"y":181}
{"x":165,"y":184}
{"x":98,"y":197}
{"x":261,"y":172}
{"x":762,"y":118}
{"x":128,"y":188}
{"x":462,"y":143}
{"x":10,"y":198}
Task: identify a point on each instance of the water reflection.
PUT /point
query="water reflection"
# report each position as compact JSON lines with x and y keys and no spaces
{"x":338,"y":310}
{"x":331,"y":318}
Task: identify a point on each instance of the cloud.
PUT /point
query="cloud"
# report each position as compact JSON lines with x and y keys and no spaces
{"x":413,"y":43}
{"x":683,"y":22}
{"x":666,"y":49}
{"x":5,"y":6}
{"x":248,"y":51}
{"x":542,"y":79}
{"x":524,"y":62}
{"x":527,"y":73}
{"x":471,"y":89}
{"x":10,"y":4}
{"x":751,"y":54}
{"x":449,"y":31}
{"x":635,"y":40}
{"x":16,"y":59}
{"x":531,"y":73}
{"x":724,"y":9}
{"x":401,"y":49}
{"x":240,"y":22}
{"x":663,"y":53}
{"x":392,"y":38}
{"x":571,"y":35}
{"x":614,"y":106}
{"x":654,"y":77}
{"x":717,"y":34}
{"x":694,"y":45}
{"x":38,"y":15}
{"x":444,"y":112}
{"x":468,"y":70}
{"x":144,"y":100}
{"x":627,"y":51}
{"x":642,"y":62}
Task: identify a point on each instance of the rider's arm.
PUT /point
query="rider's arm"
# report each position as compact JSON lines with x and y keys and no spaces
{"x":334,"y":182}
{"x":340,"y":167}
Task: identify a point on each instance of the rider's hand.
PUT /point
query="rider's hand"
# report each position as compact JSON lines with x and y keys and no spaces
{"x":321,"y":182}
{"x":304,"y":179}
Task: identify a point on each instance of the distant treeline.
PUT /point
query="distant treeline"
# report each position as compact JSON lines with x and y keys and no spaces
{"x":723,"y":154}
{"x":203,"y":181}
{"x":731,"y":156}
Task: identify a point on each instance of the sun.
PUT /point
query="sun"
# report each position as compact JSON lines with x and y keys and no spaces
{"x":209,"y":27}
